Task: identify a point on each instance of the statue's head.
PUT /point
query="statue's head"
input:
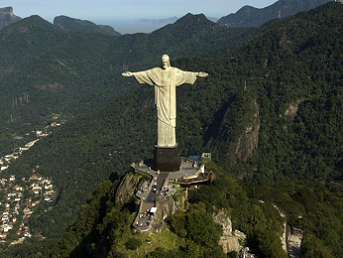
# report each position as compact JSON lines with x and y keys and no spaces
{"x":165,"y":61}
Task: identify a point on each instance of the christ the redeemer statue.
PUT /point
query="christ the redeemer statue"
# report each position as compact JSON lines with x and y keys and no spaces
{"x":165,"y":80}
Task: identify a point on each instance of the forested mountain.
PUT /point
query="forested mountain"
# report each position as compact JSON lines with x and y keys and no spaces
{"x":46,"y":71}
{"x":72,"y":73}
{"x":76,"y":25}
{"x":249,"y":16}
{"x":270,"y":112}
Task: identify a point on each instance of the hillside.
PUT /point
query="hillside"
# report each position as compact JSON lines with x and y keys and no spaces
{"x":72,"y":73}
{"x":249,"y":16}
{"x":76,"y":25}
{"x":103,"y":226}
{"x":269,"y":111}
{"x":49,"y":74}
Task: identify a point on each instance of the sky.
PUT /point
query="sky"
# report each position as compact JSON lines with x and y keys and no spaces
{"x":119,"y":11}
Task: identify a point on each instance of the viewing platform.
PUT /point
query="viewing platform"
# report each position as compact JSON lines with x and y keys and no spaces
{"x":190,"y":173}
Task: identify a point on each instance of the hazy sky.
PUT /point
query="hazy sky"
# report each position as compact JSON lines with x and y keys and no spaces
{"x":128,"y":9}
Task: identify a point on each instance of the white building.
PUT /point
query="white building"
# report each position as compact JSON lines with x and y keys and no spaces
{"x":4,"y":168}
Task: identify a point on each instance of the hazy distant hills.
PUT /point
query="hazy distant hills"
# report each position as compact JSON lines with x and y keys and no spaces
{"x":249,"y":16}
{"x":214,"y":19}
{"x":7,"y":17}
{"x":75,"y":25}
{"x":158,"y":22}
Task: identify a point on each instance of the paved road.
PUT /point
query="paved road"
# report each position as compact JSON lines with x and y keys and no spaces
{"x":153,"y":194}
{"x":150,"y":200}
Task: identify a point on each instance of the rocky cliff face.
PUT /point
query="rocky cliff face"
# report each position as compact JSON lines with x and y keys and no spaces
{"x":248,"y":141}
{"x":238,"y":137}
{"x":7,"y":17}
{"x":127,"y":188}
{"x":166,"y":207}
{"x":228,"y":241}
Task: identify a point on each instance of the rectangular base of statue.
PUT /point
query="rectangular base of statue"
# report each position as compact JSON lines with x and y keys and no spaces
{"x":166,"y":158}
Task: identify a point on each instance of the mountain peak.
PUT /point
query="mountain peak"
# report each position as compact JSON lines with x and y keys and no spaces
{"x":33,"y":25}
{"x":195,"y":19}
{"x":249,"y":16}
{"x":76,"y":25}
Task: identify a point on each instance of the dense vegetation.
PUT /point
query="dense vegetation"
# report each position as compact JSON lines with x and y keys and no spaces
{"x":102,"y":227}
{"x":294,"y":62}
{"x":58,"y":73}
{"x":45,"y":70}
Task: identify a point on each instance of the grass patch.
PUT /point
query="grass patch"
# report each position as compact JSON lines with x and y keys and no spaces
{"x":166,"y":239}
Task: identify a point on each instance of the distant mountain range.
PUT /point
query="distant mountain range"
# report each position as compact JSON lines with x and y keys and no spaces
{"x":249,"y":16}
{"x":7,"y":17}
{"x":163,"y":22}
{"x":75,"y":25}
{"x":160,"y":22}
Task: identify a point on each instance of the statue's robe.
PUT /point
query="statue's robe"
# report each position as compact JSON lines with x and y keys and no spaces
{"x":165,"y":82}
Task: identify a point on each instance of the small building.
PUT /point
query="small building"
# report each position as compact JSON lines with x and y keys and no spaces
{"x":3,"y":168}
{"x":47,"y":187}
{"x":18,"y":188}
{"x":206,"y":158}
{"x":48,"y":193}
{"x":153,"y":211}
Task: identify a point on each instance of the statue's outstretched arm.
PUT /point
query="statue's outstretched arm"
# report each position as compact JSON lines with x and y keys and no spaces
{"x":142,"y":77}
{"x":127,"y":74}
{"x":202,"y":74}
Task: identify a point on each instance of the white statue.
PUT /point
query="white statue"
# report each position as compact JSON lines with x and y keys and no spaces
{"x":165,"y":80}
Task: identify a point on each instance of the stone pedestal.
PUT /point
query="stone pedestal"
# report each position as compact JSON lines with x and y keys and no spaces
{"x":166,"y":159}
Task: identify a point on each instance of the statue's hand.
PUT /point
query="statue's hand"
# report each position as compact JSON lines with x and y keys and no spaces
{"x":202,"y":74}
{"x":127,"y":74}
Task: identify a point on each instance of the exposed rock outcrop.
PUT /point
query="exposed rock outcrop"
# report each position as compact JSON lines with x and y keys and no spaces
{"x":235,"y":130}
{"x":7,"y":17}
{"x":293,"y":108}
{"x":127,"y":188}
{"x":166,"y":207}
{"x":228,"y":241}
